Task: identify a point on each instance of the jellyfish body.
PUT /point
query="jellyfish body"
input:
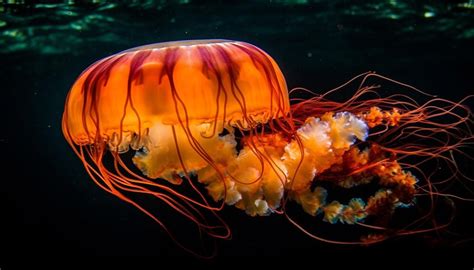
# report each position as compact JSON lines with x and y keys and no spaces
{"x":217,"y":114}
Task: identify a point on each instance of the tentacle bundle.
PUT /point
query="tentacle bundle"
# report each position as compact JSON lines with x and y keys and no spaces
{"x":256,"y":178}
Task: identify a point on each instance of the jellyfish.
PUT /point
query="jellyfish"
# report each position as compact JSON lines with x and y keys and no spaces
{"x":211,"y":123}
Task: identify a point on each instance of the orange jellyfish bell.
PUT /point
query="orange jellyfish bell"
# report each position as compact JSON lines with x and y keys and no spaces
{"x":202,"y":85}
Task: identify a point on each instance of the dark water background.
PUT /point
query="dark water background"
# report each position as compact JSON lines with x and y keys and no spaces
{"x":52,"y":209}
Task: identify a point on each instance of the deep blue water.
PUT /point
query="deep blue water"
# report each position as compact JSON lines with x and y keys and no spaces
{"x":53,"y":208}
